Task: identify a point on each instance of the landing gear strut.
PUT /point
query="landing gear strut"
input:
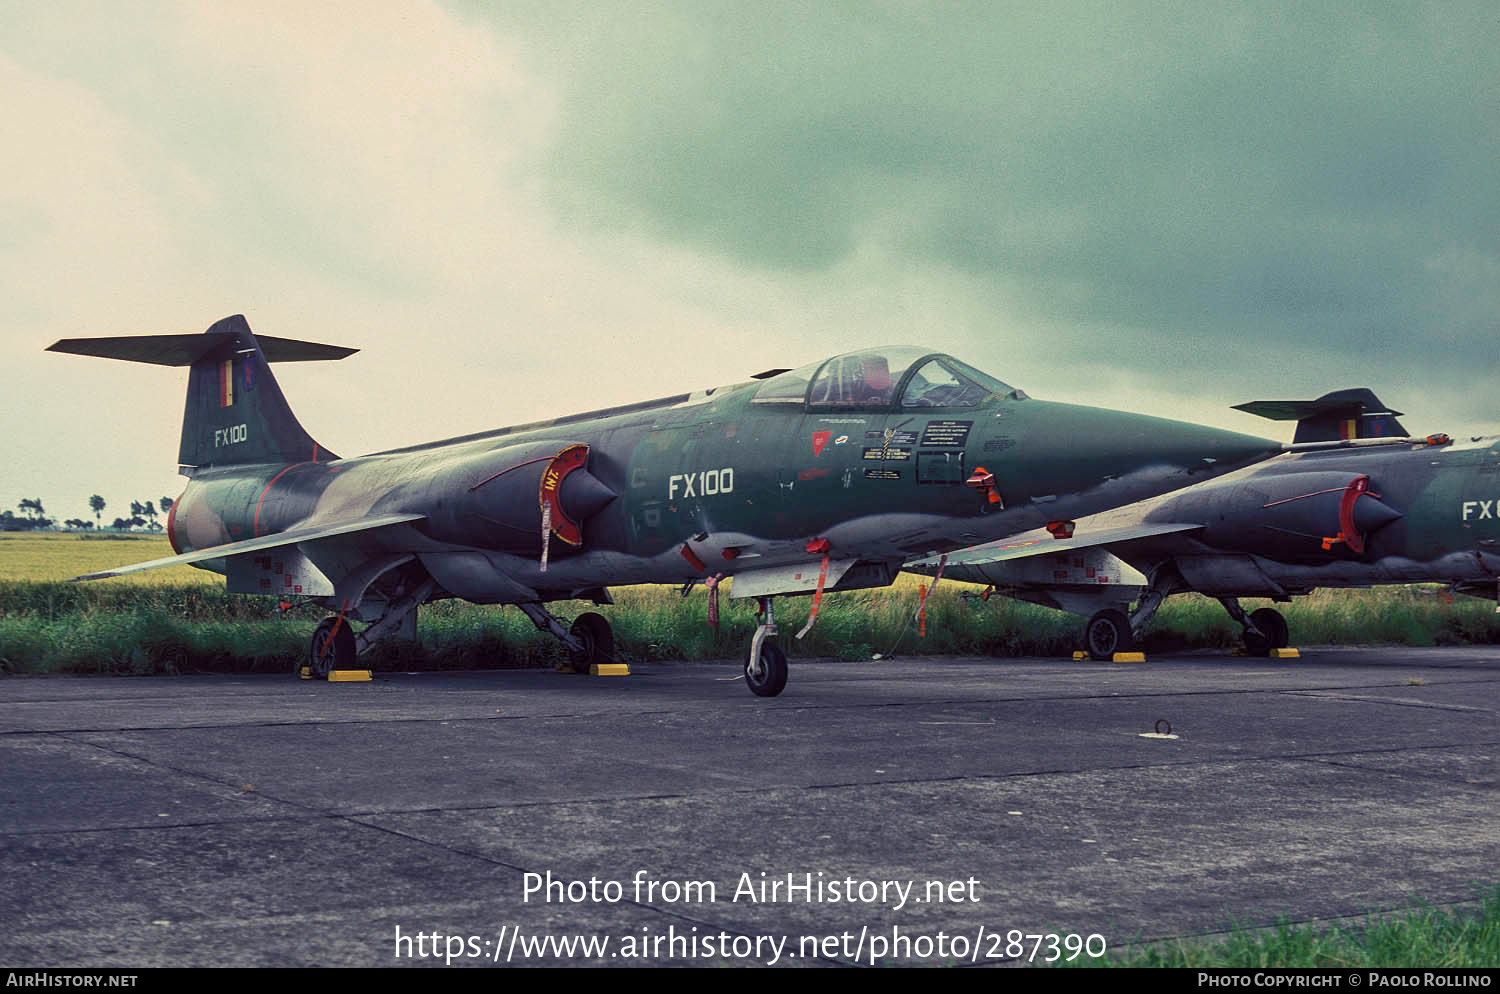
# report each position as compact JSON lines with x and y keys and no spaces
{"x":1265,"y":628}
{"x":1112,"y":630}
{"x":765,"y":662}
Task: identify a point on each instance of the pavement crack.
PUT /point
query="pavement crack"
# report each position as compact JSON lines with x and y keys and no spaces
{"x":234,"y":784}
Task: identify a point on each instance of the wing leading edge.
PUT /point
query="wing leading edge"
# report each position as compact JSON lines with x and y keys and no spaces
{"x":290,"y":537}
{"x":996,"y":552}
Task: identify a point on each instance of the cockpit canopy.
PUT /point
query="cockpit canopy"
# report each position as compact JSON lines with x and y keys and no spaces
{"x":884,"y":379}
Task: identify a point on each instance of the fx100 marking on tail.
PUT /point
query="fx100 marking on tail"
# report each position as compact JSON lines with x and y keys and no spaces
{"x":704,"y":484}
{"x":231,"y":436}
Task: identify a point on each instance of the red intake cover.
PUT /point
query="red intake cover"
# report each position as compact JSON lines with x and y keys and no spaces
{"x":562,"y":464}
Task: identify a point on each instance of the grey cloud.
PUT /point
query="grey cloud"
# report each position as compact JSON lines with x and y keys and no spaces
{"x":1316,"y":178}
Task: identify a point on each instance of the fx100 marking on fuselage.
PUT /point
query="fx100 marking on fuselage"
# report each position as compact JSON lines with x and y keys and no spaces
{"x":231,"y":436}
{"x":704,"y":484}
{"x":1479,"y":510}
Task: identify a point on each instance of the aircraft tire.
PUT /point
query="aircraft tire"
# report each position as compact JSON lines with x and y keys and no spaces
{"x":325,"y":654}
{"x":773,"y":670}
{"x":1107,"y":633}
{"x":598,"y":638}
{"x":1276,"y":634}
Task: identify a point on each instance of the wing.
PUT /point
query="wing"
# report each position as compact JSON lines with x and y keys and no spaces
{"x":289,"y":537}
{"x":1022,"y":548}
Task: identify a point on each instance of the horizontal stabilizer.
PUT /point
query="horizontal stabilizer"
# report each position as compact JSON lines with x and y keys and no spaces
{"x":184,"y":350}
{"x":290,"y":537}
{"x":1022,"y":548}
{"x":235,"y":413}
{"x":1343,"y":414}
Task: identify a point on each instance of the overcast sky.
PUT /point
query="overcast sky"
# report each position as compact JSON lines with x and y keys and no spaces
{"x":519,"y":210}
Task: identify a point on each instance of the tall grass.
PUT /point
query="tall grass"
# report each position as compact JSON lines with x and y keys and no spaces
{"x":120,"y":628}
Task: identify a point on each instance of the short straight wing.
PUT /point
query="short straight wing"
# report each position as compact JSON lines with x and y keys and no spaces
{"x":1022,"y":548}
{"x":289,"y":537}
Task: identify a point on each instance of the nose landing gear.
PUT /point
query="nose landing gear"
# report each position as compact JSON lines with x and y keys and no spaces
{"x":765,"y":662}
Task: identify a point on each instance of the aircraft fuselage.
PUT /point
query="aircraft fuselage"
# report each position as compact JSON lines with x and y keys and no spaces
{"x":716,"y":482}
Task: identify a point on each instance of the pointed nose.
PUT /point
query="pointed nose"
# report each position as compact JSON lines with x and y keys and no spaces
{"x":1090,"y":443}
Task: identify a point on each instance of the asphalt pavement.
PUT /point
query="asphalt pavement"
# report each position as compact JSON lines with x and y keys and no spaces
{"x":939,"y":810}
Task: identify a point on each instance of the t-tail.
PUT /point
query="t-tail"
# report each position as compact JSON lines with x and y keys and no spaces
{"x":1344,"y":415}
{"x":236,"y":413}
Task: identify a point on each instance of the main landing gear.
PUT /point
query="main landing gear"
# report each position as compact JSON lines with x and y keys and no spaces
{"x":335,"y":643}
{"x":597,"y":642}
{"x":590,"y":641}
{"x":1112,"y":630}
{"x":332,"y":647}
{"x":1107,"y":633}
{"x":765,"y":662}
{"x":1265,"y":628}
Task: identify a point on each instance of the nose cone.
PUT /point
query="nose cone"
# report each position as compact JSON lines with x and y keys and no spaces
{"x":1110,"y":458}
{"x":1120,"y":443}
{"x":583,"y":495}
{"x":1370,"y":514}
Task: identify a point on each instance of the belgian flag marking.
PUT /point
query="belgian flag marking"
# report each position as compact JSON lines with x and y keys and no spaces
{"x":226,"y":383}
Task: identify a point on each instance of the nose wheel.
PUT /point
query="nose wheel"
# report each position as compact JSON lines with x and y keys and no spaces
{"x":765,"y":662}
{"x":765,"y":675}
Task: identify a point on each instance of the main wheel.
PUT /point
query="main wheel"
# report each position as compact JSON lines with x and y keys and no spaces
{"x":332,"y":647}
{"x":1107,"y":633}
{"x":598,"y":640}
{"x":767,"y":677}
{"x":1274,"y":632}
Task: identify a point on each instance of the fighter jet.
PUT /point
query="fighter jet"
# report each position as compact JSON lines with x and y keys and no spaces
{"x":792,"y":482}
{"x":1377,"y":507}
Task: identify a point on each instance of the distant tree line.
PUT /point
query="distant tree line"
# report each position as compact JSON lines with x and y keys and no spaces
{"x":33,"y":517}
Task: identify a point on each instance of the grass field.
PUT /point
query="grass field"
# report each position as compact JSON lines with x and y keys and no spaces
{"x":52,"y":556}
{"x":153,"y":622}
{"x":1419,"y":937}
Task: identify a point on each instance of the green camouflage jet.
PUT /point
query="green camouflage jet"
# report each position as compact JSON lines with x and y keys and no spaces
{"x":1377,"y":508}
{"x":792,"y":482}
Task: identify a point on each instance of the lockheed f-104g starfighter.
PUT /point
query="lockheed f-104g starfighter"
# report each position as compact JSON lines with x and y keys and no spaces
{"x":1379,"y":508}
{"x":794,"y":481}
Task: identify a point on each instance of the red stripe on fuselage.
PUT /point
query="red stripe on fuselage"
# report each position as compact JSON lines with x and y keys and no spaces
{"x":255,"y":525}
{"x":172,"y":517}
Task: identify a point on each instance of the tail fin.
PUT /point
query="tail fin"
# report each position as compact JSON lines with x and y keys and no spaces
{"x":235,"y":412}
{"x":1343,"y":414}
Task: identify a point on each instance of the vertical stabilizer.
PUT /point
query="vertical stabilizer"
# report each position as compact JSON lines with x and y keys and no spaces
{"x":235,"y":411}
{"x":1341,"y":415}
